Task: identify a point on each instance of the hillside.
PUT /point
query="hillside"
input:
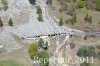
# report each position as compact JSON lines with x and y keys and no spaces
{"x":49,"y":32}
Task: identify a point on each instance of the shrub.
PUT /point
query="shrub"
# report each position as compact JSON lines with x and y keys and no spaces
{"x":83,"y":52}
{"x":80,"y":4}
{"x":41,"y":55}
{"x":86,"y":52}
{"x":72,"y":45}
{"x":33,"y":50}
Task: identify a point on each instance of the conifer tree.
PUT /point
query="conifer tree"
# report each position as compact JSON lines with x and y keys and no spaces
{"x":32,"y":2}
{"x":40,"y":42}
{"x":10,"y":23}
{"x":86,"y":18}
{"x":90,"y":19}
{"x":1,"y":23}
{"x":61,"y":22}
{"x":39,"y":10}
{"x":74,"y":18}
{"x":49,"y":2}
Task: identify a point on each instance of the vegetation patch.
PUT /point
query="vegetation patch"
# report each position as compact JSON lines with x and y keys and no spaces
{"x":72,"y":20}
{"x":49,"y":2}
{"x":61,"y":22}
{"x":10,"y":63}
{"x":98,"y":5}
{"x":33,"y":2}
{"x":5,"y":4}
{"x":80,"y":4}
{"x":85,"y":64}
{"x":88,"y":19}
{"x":39,"y":12}
{"x":10,"y":23}
{"x":1,"y":23}
{"x":36,"y":51}
{"x":72,"y":45}
{"x":86,"y":52}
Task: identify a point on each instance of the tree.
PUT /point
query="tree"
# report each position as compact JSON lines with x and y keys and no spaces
{"x":74,"y":18}
{"x":86,"y":18}
{"x":90,"y":19}
{"x":80,"y":4}
{"x":1,"y":23}
{"x":33,"y":2}
{"x":40,"y":18}
{"x":39,"y":12}
{"x":33,"y":50}
{"x":40,"y":42}
{"x":10,"y":22}
{"x":61,"y":22}
{"x":5,"y":4}
{"x":49,"y":2}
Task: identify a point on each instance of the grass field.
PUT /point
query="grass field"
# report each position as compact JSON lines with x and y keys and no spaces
{"x":10,"y":63}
